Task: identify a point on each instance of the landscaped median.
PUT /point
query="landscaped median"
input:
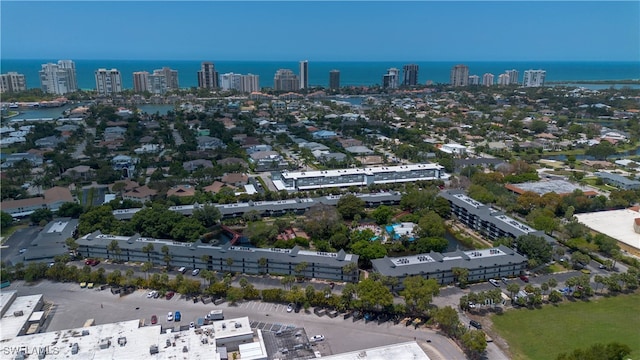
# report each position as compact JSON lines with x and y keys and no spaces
{"x":547,"y":332}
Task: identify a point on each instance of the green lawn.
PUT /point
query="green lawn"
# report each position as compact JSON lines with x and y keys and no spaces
{"x":545,"y":333}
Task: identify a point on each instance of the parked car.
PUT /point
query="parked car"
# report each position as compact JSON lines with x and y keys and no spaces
{"x":195,"y":272}
{"x":290,"y":307}
{"x":182,"y":270}
{"x":152,"y":294}
{"x":177,"y":316}
{"x":169,"y":316}
{"x":494,"y":282}
{"x":154,"y":319}
{"x":156,"y":295}
{"x":91,"y":262}
{"x":170,"y":294}
{"x":22,"y":251}
{"x":524,"y":278}
{"x":316,"y":338}
{"x":475,"y":324}
{"x":505,"y":280}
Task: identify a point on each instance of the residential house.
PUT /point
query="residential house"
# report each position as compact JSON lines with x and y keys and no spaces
{"x":80,"y":172}
{"x":235,"y":179}
{"x":210,"y":143}
{"x":181,"y":191}
{"x":141,"y":194}
{"x":193,"y":165}
{"x":51,"y":200}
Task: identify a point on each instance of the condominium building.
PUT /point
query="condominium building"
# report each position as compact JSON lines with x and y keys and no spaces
{"x":334,"y":79}
{"x":487,"y":79}
{"x":486,"y":220}
{"x":12,"y":82}
{"x":58,"y":78}
{"x":312,"y":180}
{"x":141,"y":81}
{"x":391,"y":79}
{"x":459,"y":75}
{"x":108,"y":82}
{"x":242,"y":83}
{"x":227,"y":257}
{"x":208,"y":76}
{"x":157,"y":83}
{"x":474,"y":80}
{"x":304,"y":74}
{"x":170,"y":76}
{"x":286,"y":80}
{"x":504,"y":79}
{"x":514,"y":76}
{"x":534,"y":78}
{"x":410,"y":75}
{"x":482,"y":265}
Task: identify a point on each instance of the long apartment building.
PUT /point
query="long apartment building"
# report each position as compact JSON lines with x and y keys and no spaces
{"x":241,"y":259}
{"x":482,"y":264}
{"x":312,"y":180}
{"x":484,"y":219}
{"x":239,"y":82}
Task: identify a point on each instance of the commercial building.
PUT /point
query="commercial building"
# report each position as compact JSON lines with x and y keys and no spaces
{"x":312,"y":180}
{"x":286,"y":80}
{"x":391,"y":79}
{"x":108,"y":82}
{"x":226,"y":257}
{"x":410,"y":75}
{"x":459,"y":75}
{"x":58,"y":78}
{"x":334,"y":79}
{"x":482,"y":264}
{"x":534,"y":78}
{"x":560,"y":187}
{"x":304,"y":74}
{"x":486,"y":220}
{"x":12,"y":82}
{"x":487,"y":79}
{"x":208,"y":76}
{"x":622,"y":225}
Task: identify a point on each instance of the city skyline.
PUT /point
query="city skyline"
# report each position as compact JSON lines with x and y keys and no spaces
{"x":553,"y":31}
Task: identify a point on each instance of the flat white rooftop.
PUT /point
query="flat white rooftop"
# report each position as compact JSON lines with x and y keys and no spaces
{"x":10,"y":324}
{"x":126,"y":341}
{"x":360,"y":171}
{"x":408,"y":350}
{"x":225,"y":329}
{"x":617,"y":224}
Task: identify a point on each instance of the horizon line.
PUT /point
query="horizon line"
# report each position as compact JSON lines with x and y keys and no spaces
{"x":320,"y":61}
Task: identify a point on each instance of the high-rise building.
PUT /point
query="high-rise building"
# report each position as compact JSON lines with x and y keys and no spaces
{"x":488,"y":79}
{"x":504,"y":79}
{"x":334,"y":79}
{"x":286,"y":80}
{"x":473,"y":80}
{"x":459,"y":75}
{"x":58,"y":78}
{"x":170,"y":76}
{"x":390,"y":80}
{"x":208,"y":76}
{"x":514,"y":76}
{"x":304,"y":74}
{"x":141,"y":81}
{"x":12,"y":82}
{"x":242,"y":83}
{"x":410,"y":75}
{"x":534,"y":78}
{"x":108,"y":82}
{"x":250,"y":83}
{"x":157,"y":83}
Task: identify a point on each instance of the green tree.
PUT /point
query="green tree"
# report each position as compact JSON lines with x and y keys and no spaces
{"x":442,"y":207}
{"x":368,"y":250}
{"x":461,"y":275}
{"x":208,"y":215}
{"x":166,"y":255}
{"x":349,"y":206}
{"x":373,"y":295}
{"x":536,"y":248}
{"x":382,"y":214}
{"x":146,"y":267}
{"x":513,"y":288}
{"x":40,"y":215}
{"x":425,"y":245}
{"x":418,"y":293}
{"x":6,"y":220}
{"x":70,"y":209}
{"x":448,"y":321}
{"x":475,"y":342}
{"x":114,"y":248}
{"x":598,"y":351}
{"x":148,"y":249}
{"x":431,"y":225}
{"x":99,"y":218}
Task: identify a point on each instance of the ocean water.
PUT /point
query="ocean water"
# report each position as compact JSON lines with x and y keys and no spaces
{"x":351,"y":73}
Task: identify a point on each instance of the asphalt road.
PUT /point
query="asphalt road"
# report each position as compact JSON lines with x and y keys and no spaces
{"x":73,"y":306}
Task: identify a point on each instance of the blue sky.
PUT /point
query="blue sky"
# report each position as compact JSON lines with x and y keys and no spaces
{"x":321,"y":30}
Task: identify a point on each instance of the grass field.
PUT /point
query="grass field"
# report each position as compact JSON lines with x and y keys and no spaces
{"x":545,"y":333}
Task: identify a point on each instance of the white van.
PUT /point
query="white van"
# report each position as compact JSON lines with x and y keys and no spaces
{"x":182,"y":270}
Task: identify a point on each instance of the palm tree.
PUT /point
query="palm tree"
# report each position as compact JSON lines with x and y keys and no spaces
{"x":147,"y":249}
{"x":146,"y":267}
{"x":113,"y":246}
{"x":229,"y":264}
{"x":167,"y":256}
{"x":263,"y":263}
